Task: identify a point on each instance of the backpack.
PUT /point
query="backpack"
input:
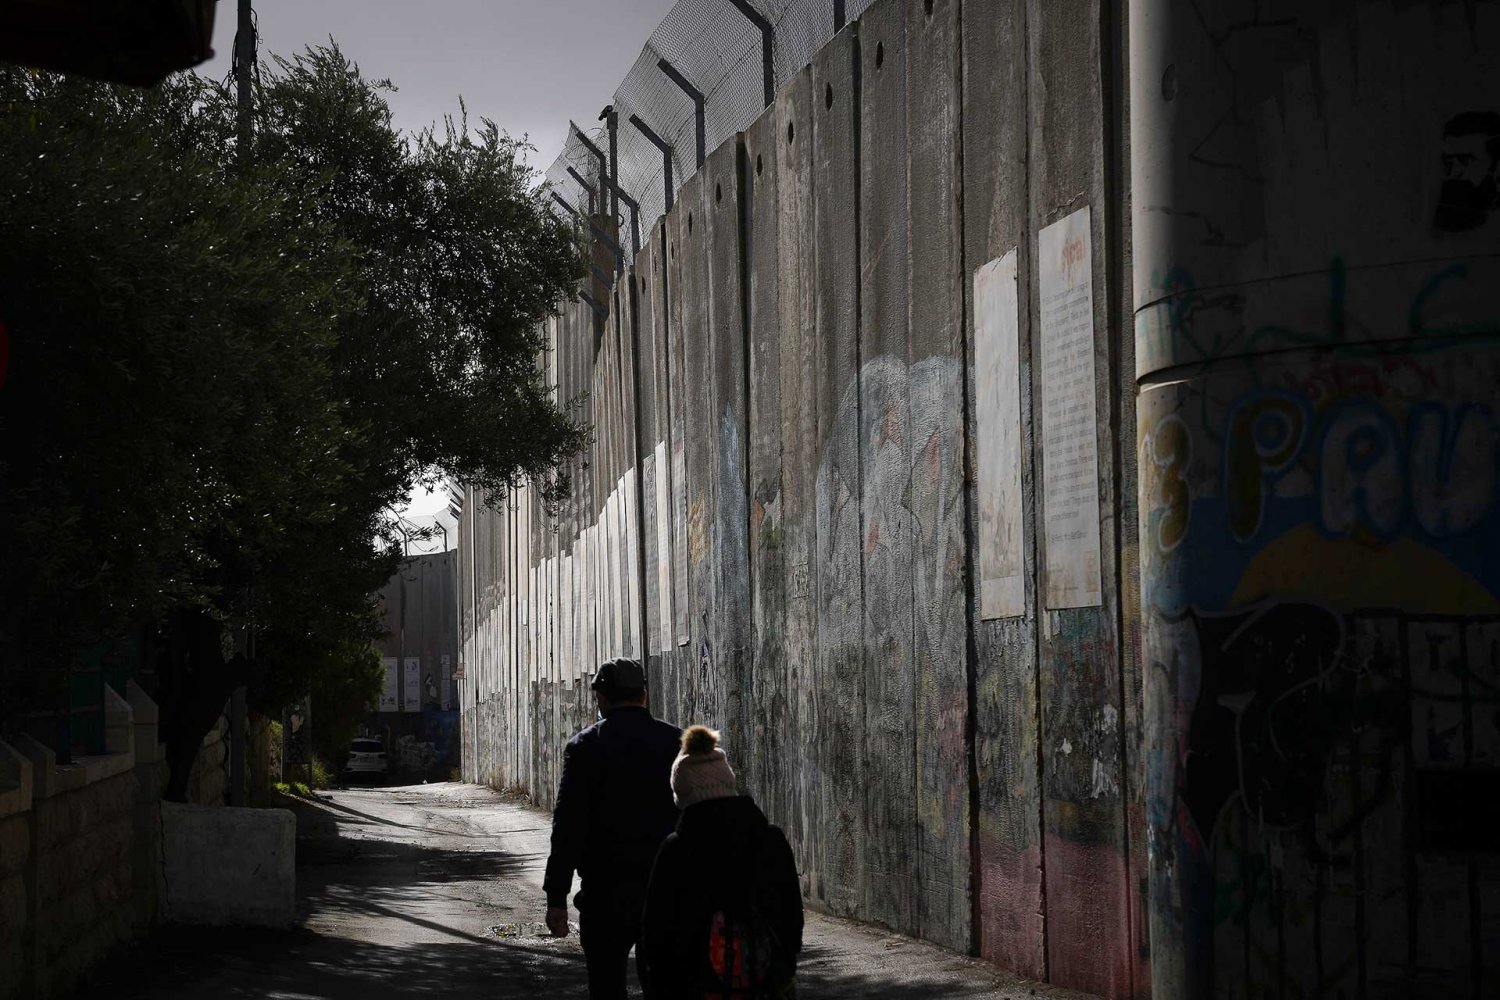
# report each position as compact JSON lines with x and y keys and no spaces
{"x":743,"y":958}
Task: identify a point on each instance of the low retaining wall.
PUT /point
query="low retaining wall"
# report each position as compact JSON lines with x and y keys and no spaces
{"x":78,"y":844}
{"x":200,"y":882}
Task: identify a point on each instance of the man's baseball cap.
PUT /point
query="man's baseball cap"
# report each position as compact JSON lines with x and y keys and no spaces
{"x":622,"y":676}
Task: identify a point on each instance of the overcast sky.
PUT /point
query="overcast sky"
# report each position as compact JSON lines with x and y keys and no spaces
{"x":528,"y":64}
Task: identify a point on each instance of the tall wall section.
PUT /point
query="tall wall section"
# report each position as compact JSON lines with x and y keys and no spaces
{"x":1318,"y":299}
{"x":857,"y":496}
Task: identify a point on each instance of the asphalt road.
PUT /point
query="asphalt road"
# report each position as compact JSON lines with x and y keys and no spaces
{"x":434,"y":891}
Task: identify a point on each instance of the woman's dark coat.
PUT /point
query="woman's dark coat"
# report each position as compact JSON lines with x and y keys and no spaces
{"x":723,"y":852}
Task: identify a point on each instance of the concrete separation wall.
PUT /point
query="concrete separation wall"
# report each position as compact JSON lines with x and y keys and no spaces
{"x":202,"y":882}
{"x":779,"y":512}
{"x":977,"y":635}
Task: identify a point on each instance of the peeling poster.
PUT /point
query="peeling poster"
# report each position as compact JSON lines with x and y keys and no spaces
{"x":1070,"y":445}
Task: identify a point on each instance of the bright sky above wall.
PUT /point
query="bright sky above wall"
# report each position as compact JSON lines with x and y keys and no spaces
{"x":529,"y":66}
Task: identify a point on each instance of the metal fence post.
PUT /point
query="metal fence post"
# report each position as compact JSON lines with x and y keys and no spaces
{"x":696,"y":95}
{"x":666,"y":154}
{"x":767,"y":46}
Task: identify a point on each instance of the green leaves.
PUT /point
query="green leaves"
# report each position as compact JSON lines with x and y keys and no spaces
{"x":223,"y":370}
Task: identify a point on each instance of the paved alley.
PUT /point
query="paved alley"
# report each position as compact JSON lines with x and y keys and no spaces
{"x":433,"y":891}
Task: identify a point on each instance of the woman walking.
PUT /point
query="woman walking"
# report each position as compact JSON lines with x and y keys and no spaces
{"x":723,"y":914}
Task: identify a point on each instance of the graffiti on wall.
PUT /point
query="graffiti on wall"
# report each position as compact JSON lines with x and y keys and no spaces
{"x":1316,"y":543}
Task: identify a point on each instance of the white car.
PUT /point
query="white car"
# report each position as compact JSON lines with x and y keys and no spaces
{"x":366,"y":759}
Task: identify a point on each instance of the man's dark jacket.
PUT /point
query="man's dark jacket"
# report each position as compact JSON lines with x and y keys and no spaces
{"x":723,"y":853}
{"x":614,"y":804}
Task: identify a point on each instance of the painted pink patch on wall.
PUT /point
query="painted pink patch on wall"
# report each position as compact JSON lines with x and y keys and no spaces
{"x":1088,"y":939}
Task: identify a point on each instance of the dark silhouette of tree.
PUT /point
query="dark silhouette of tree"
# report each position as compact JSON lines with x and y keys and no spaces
{"x":226,"y":370}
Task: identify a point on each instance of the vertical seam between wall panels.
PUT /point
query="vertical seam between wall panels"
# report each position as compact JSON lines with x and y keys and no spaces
{"x":856,"y":114}
{"x":668,"y":640}
{"x":1039,"y":616}
{"x":746,"y":681}
{"x":914,"y":927}
{"x":1112,"y":93}
{"x":638,"y":464}
{"x":971,"y":648}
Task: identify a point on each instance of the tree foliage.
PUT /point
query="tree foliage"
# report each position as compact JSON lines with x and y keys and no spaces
{"x":228,"y":366}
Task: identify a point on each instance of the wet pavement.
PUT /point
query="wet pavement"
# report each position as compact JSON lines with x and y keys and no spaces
{"x":434,"y":891}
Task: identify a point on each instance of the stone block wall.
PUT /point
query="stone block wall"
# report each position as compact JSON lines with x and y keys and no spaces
{"x":208,"y":785}
{"x":78,"y":847}
{"x":15,"y":855}
{"x":84,"y":879}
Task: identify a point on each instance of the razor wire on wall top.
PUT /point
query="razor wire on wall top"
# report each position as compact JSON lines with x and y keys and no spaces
{"x":718,"y":50}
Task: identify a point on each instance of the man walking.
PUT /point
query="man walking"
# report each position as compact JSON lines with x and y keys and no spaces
{"x":614,"y":808}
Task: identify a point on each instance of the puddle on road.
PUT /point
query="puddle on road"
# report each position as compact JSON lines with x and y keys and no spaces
{"x":528,"y":931}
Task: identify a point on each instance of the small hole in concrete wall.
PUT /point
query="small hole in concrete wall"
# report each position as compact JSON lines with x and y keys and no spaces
{"x":718,"y":194}
{"x":927,"y":6}
{"x":1169,"y":83}
{"x":879,"y":54}
{"x":828,"y":95}
{"x":690,"y":222}
{"x":758,"y":164}
{"x":643,"y":286}
{"x":673,"y":248}
{"x":791,"y":132}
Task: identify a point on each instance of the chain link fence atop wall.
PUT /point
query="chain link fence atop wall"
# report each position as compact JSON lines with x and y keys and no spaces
{"x":717,"y":49}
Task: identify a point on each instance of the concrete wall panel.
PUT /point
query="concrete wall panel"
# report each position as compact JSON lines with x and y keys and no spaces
{"x":834,"y":852}
{"x":700,"y":702}
{"x":772,"y":772}
{"x":729,"y":551}
{"x":1086,"y":845}
{"x":937,"y":495}
{"x":887,"y":521}
{"x":1010,"y":914}
{"x":796,"y":271}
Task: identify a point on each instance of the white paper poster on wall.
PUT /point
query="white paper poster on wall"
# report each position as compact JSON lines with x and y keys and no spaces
{"x":663,"y":550}
{"x":590,"y":601}
{"x":389,"y":694}
{"x":1070,"y":458}
{"x":533,"y":613}
{"x":636,"y":642}
{"x":565,"y":620}
{"x":679,"y":541}
{"x":412,"y":693}
{"x":997,"y":360}
{"x":617,"y":570}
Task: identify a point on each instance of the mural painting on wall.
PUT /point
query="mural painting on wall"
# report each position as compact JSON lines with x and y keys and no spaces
{"x":1317,"y":543}
{"x":1471,"y":172}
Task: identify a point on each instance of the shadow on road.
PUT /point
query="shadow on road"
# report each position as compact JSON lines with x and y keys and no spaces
{"x":302,"y":965}
{"x":382,"y":916}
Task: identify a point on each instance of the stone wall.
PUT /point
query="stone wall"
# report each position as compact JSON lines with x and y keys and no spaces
{"x":208,"y":784}
{"x":78,"y":847}
{"x":84,"y":879}
{"x":15,"y":866}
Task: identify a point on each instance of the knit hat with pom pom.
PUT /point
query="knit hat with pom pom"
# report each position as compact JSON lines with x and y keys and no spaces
{"x":701,"y":772}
